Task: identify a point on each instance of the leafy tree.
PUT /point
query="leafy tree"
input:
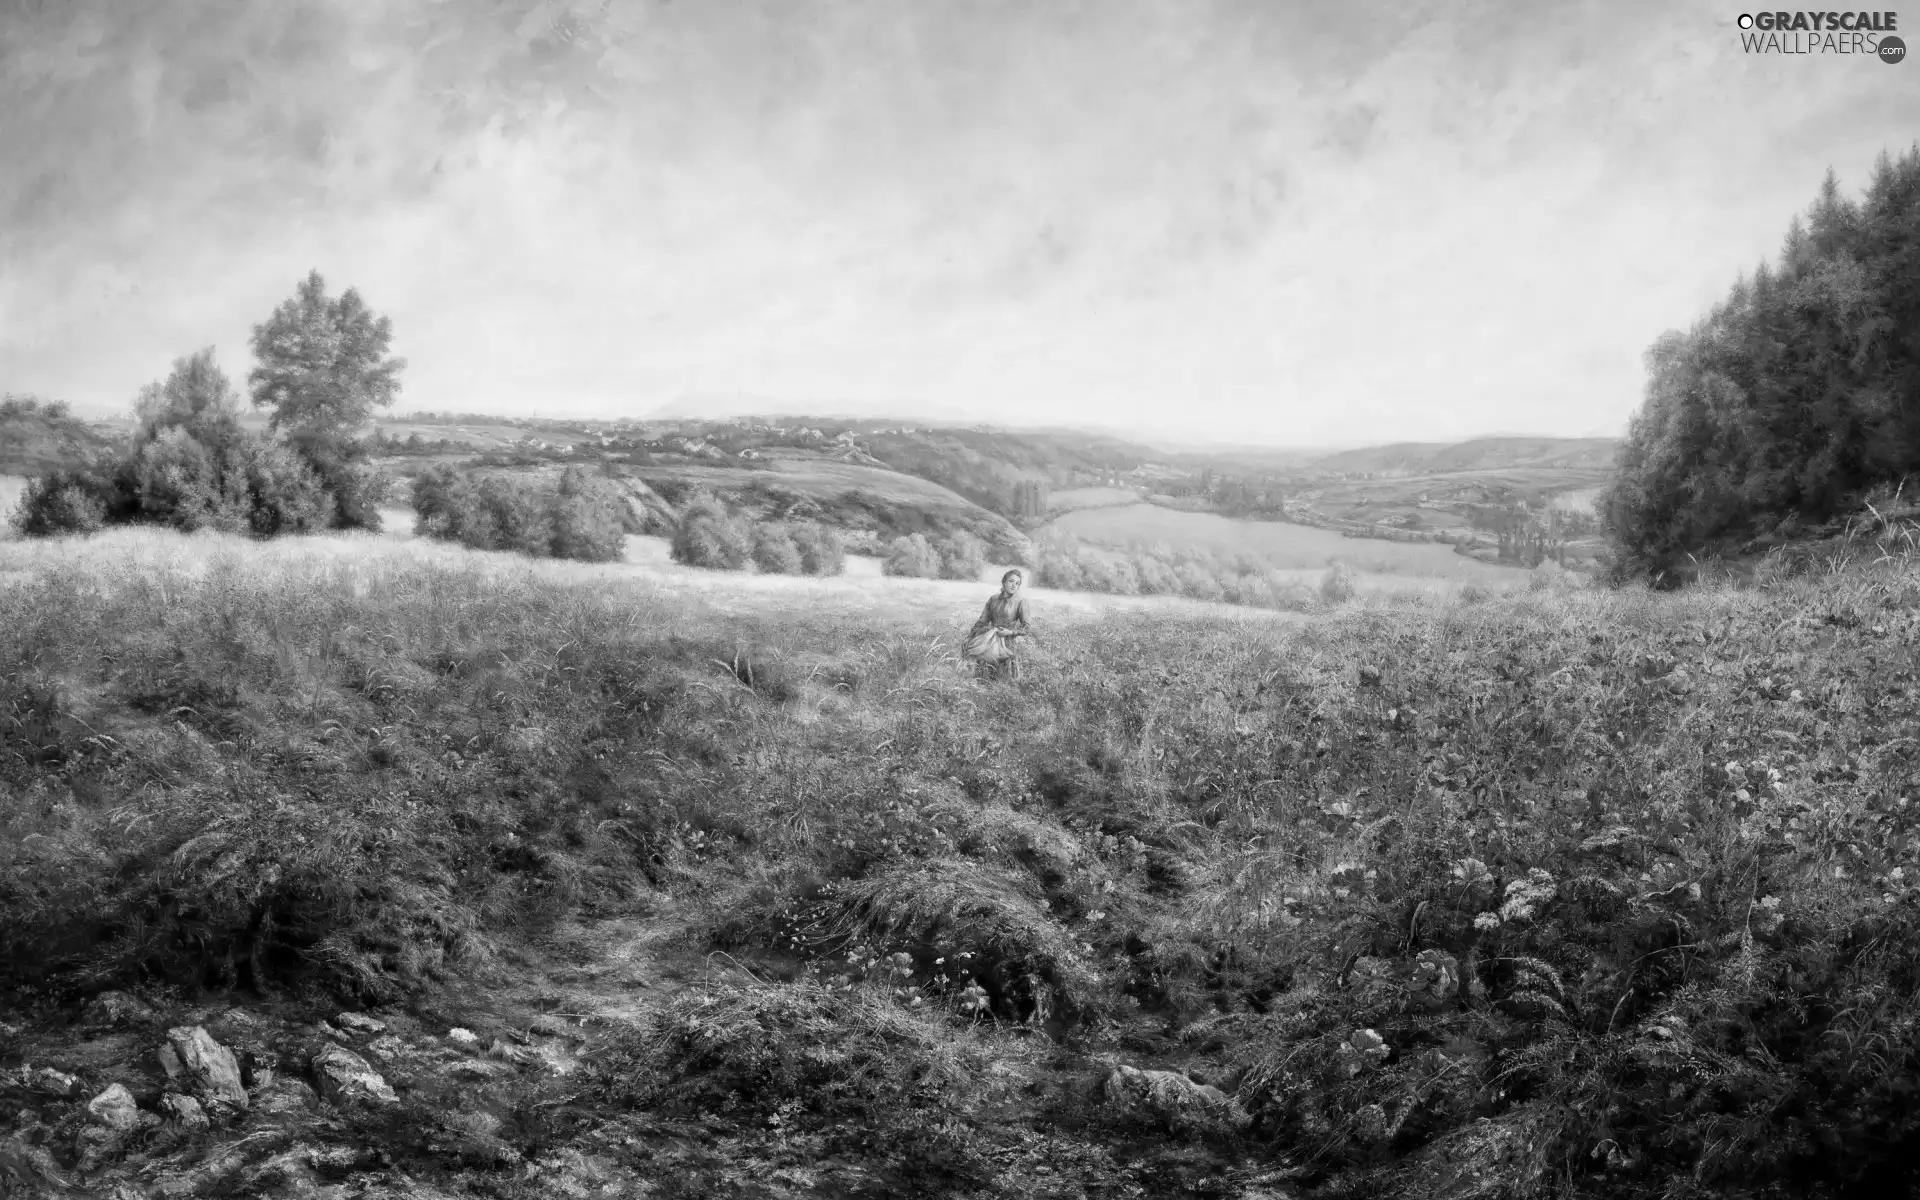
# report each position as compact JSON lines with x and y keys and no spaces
{"x":323,"y":364}
{"x":197,"y":398}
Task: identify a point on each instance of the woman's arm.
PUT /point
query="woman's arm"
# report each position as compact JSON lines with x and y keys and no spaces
{"x":985,"y":621}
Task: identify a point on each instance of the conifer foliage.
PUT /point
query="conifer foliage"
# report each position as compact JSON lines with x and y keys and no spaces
{"x":1794,"y":398}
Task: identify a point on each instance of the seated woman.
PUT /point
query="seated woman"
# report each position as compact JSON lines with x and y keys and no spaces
{"x":990,"y":642}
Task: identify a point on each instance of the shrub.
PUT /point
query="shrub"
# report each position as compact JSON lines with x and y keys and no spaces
{"x":579,"y":519}
{"x":709,"y":536}
{"x":1059,"y":568}
{"x":912,"y":556}
{"x":962,"y":556}
{"x":1336,"y":586}
{"x":774,"y":550}
{"x":1549,"y":576}
{"x":821,"y":551}
{"x":1156,"y":577}
{"x":60,"y":502}
{"x":357,"y":487}
{"x":285,"y":495}
{"x":1198,"y":582}
{"x":590,"y":518}
{"x":1250,"y":590}
{"x":180,"y":481}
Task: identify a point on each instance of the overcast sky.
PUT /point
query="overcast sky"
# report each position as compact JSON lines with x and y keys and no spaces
{"x":1254,"y":220}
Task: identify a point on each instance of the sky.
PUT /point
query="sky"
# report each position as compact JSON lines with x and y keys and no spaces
{"x":1246,"y":221}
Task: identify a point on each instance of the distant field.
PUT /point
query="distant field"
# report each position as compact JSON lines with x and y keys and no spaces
{"x":1297,"y":547}
{"x":814,"y":477}
{"x":1092,"y":497}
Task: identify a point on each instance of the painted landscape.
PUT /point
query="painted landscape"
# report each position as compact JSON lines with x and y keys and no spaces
{"x":811,"y":600}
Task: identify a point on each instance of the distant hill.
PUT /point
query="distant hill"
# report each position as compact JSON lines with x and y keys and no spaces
{"x":1480,"y":454}
{"x":36,"y":437}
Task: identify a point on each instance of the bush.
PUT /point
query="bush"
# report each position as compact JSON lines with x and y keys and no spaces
{"x":358,"y":489}
{"x":1549,"y":576}
{"x":1059,"y":568}
{"x":580,"y":519}
{"x":821,"y":552}
{"x":962,"y":556}
{"x":1198,"y":582}
{"x":709,"y":536}
{"x":774,"y":550}
{"x":1156,"y":577}
{"x":285,"y":494}
{"x":590,"y":518}
{"x":60,"y":502}
{"x":184,"y":483}
{"x":912,"y":556}
{"x":1336,"y":586}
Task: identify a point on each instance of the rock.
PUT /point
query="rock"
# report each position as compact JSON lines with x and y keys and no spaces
{"x":28,"y":1168}
{"x":1508,"y":1155}
{"x":387,"y":1048}
{"x":282,"y":1096}
{"x":479,"y":1068}
{"x":360,"y":1023}
{"x":114,"y":1009}
{"x":184,"y":1111}
{"x":1181,"y":1102}
{"x":209,"y":1068}
{"x":170,"y":1063}
{"x":115,"y":1109}
{"x":344,"y":1077}
{"x":49,"y":1082}
{"x":463,"y":1037}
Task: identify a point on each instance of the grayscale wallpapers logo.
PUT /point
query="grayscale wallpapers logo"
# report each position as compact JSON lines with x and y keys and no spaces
{"x":1862,"y":33}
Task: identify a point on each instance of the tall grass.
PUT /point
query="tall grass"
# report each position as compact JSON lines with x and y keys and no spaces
{"x":1610,"y":888}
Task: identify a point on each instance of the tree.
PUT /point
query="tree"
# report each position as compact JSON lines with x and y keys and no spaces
{"x":323,"y":364}
{"x":197,"y":397}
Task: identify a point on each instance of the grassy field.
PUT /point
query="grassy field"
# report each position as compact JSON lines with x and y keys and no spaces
{"x":1294,"y":547}
{"x":736,"y":886}
{"x":1068,"y":499}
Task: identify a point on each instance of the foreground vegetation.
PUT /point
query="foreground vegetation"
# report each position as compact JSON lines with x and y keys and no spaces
{"x":1598,"y":893}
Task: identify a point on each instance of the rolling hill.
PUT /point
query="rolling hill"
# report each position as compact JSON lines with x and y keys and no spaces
{"x":1480,"y":454}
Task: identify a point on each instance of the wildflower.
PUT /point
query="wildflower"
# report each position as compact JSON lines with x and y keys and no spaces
{"x":1487,"y":920}
{"x":1525,"y":897}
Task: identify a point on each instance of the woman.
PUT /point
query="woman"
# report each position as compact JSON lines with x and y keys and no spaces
{"x":990,"y":642}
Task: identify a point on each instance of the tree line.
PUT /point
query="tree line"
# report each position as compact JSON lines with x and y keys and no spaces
{"x":1794,"y":400}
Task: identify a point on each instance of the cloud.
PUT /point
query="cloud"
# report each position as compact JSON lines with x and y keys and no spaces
{"x":1267,"y":221}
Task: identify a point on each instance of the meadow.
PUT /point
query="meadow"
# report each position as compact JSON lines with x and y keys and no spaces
{"x":1285,"y":546}
{"x":739,"y":885}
